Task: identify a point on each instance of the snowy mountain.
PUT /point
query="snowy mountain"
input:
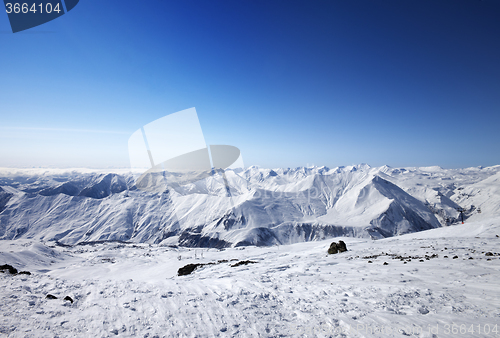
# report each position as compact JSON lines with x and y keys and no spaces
{"x":256,"y":207}
{"x":4,"y":198}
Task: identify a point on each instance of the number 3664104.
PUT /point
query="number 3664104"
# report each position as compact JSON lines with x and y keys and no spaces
{"x":34,"y":8}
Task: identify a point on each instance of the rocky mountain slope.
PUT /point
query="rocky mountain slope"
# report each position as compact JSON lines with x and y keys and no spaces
{"x":256,"y":207}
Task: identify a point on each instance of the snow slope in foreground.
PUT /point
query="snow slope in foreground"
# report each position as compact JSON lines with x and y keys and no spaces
{"x":297,"y":290}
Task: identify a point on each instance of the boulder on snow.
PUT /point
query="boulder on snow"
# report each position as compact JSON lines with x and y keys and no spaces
{"x":8,"y":267}
{"x":243,"y":263}
{"x":333,"y":249}
{"x":337,"y":247}
{"x":68,"y":298}
{"x":423,"y":310}
{"x":187,"y":269}
{"x":49,"y":296}
{"x":341,"y":246}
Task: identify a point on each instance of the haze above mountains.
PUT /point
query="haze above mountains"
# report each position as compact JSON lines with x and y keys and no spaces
{"x":261,"y":206}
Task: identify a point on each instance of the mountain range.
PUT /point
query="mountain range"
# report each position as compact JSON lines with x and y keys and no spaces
{"x":254,"y":206}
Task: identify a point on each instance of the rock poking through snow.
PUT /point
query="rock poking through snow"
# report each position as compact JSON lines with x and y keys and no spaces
{"x":337,"y":247}
{"x":187,"y":269}
{"x":9,"y":268}
{"x":242,"y":263}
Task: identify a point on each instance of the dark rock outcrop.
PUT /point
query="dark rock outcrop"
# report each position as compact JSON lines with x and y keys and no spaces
{"x":242,"y":263}
{"x":8,"y":267}
{"x":49,"y":296}
{"x":337,"y":247}
{"x":187,"y":269}
{"x":333,"y":249}
{"x":68,"y":298}
{"x":12,"y":270}
{"x":341,"y":246}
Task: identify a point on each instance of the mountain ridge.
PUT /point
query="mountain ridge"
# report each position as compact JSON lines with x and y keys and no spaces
{"x":265,"y":206}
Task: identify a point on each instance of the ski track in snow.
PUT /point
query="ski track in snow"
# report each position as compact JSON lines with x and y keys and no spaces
{"x":132,"y":290}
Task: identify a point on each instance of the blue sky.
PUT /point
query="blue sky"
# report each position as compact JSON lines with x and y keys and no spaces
{"x":290,"y":83}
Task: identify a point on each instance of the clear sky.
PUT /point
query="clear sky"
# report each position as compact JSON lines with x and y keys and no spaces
{"x":290,"y":83}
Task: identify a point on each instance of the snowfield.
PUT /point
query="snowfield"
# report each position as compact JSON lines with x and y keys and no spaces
{"x":132,"y":290}
{"x":114,"y":252}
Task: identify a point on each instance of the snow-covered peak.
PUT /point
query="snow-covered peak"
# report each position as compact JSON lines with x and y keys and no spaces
{"x":256,"y":205}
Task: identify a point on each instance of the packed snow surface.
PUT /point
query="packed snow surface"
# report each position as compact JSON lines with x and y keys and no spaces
{"x":109,"y":254}
{"x":296,"y":290}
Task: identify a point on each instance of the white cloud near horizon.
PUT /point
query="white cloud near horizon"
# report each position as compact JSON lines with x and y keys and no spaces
{"x":62,"y":147}
{"x":68,"y":130}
